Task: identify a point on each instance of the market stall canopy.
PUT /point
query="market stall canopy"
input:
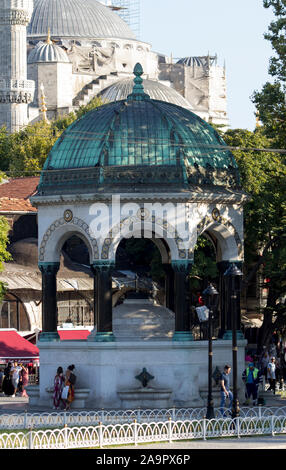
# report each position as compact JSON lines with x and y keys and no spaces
{"x":13,"y":346}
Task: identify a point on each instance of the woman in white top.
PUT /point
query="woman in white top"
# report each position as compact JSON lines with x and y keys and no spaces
{"x":271,"y":374}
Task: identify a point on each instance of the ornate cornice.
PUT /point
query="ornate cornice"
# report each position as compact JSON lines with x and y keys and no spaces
{"x":193,"y":196}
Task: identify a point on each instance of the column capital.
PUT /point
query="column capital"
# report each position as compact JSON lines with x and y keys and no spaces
{"x":182,"y":266}
{"x":49,"y":267}
{"x":99,"y":266}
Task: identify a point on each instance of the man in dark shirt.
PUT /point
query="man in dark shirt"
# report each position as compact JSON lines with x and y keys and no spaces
{"x":225,"y":389}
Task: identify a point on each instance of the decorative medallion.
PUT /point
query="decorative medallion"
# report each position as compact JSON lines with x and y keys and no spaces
{"x":143,"y":213}
{"x":68,"y":215}
{"x":215,"y":214}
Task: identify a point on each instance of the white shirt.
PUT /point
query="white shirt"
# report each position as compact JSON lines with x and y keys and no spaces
{"x":15,"y":372}
{"x":271,"y":370}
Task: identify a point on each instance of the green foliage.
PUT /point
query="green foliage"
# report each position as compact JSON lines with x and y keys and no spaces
{"x":263,"y":177}
{"x":24,"y":153}
{"x":4,"y":254}
{"x":204,"y":268}
{"x":270,"y":101}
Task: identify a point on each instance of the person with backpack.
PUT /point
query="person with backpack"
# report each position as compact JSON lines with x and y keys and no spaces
{"x":251,"y":377}
{"x":70,"y":380}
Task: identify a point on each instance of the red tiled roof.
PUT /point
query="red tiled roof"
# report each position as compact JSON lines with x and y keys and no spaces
{"x":15,"y":193}
{"x":14,"y":346}
{"x":20,"y":188}
{"x":8,"y":204}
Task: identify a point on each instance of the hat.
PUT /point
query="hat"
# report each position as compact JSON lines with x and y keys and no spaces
{"x":251,"y":364}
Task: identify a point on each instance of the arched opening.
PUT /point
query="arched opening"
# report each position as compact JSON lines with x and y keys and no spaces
{"x":204,"y":271}
{"x":141,"y":313}
{"x":13,"y":313}
{"x":75,"y":292}
{"x":139,"y":267}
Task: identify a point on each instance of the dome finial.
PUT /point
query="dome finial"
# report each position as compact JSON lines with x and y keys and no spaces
{"x":49,"y":41}
{"x":138,"y":93}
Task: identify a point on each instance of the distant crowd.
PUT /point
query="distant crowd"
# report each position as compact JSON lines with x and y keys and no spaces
{"x":13,"y":379}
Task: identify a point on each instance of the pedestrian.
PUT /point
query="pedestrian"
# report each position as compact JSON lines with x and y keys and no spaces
{"x":264,"y":363}
{"x":70,"y":379}
{"x":271,"y":374}
{"x":59,"y":381}
{"x":15,"y":373}
{"x":225,"y":389}
{"x":24,"y":374}
{"x":251,"y":377}
{"x":7,"y":385}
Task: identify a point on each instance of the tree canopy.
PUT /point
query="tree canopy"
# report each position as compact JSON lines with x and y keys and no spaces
{"x":24,"y":153}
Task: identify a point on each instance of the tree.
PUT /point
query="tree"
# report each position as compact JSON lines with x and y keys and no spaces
{"x":270,"y":101}
{"x":24,"y":153}
{"x":4,"y":254}
{"x":263,"y":177}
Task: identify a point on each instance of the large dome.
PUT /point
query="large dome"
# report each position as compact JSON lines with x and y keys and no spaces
{"x":76,"y":19}
{"x":156,"y":90}
{"x":138,"y":143}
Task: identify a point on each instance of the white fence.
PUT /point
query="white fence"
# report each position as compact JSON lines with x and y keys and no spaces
{"x":138,"y":433}
{"x":91,"y":418}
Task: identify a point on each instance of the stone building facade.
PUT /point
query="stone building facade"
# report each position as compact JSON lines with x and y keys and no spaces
{"x":88,"y":48}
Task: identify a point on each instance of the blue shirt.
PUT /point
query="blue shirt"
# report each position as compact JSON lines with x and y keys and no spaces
{"x":226,"y":380}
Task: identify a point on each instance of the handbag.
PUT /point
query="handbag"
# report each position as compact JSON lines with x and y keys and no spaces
{"x":65,"y":392}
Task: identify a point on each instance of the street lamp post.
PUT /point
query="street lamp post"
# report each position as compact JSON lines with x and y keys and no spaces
{"x":234,"y":274}
{"x":210,"y":296}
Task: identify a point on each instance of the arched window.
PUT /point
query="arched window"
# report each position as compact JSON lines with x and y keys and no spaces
{"x":13,"y":314}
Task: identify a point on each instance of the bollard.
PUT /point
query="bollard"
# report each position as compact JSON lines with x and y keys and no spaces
{"x":66,"y":436}
{"x":100,"y":435}
{"x":204,"y":428}
{"x":272,"y":426}
{"x":30,"y":439}
{"x":135,"y":433}
{"x":170,"y":429}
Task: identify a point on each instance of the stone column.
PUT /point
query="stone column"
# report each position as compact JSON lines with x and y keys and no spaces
{"x":169,"y":286}
{"x":49,"y":301}
{"x":181,"y":304}
{"x":103,"y":301}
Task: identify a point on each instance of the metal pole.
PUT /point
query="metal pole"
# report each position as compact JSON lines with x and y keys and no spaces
{"x":210,"y":406}
{"x":235,"y":404}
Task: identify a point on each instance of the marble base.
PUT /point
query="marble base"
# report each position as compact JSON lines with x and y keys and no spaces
{"x":146,"y":397}
{"x":108,"y":368}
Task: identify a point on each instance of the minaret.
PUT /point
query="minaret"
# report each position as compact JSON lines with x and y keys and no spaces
{"x":16,"y":92}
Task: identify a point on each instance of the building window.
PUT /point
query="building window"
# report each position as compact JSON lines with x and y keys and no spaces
{"x":13,"y":314}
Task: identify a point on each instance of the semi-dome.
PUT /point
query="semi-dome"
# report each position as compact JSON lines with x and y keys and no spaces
{"x":47,"y":52}
{"x":138,"y":143}
{"x":76,"y":19}
{"x":199,"y":61}
{"x":156,"y":90}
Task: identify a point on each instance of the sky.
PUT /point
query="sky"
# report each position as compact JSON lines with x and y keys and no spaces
{"x":232,"y":29}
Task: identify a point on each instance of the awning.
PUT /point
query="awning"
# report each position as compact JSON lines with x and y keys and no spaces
{"x":14,"y":347}
{"x":73,"y":334}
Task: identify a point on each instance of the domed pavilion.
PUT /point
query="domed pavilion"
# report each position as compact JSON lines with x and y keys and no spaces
{"x":131,"y":168}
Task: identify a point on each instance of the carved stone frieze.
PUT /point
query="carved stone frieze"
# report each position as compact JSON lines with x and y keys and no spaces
{"x":15,"y":97}
{"x":15,"y":17}
{"x":75,"y":221}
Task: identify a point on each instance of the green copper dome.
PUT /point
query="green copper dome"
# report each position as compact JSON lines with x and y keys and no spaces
{"x":135,"y":143}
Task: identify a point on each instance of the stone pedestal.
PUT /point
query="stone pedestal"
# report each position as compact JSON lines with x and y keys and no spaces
{"x":108,"y":368}
{"x":147,"y":397}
